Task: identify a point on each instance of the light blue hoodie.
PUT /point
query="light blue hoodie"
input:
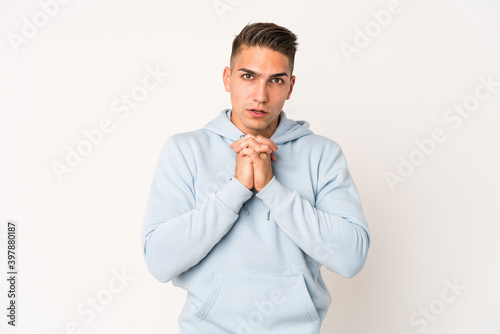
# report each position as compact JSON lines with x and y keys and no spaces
{"x":250,"y":261}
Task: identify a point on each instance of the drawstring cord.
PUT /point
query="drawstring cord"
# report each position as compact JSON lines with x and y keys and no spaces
{"x":268,"y":212}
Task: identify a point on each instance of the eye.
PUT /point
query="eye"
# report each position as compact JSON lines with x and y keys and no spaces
{"x":277,"y":80}
{"x":247,"y":76}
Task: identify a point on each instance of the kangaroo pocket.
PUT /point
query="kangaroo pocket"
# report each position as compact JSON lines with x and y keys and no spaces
{"x":244,"y":304}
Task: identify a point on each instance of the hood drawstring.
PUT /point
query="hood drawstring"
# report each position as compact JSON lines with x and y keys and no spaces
{"x":268,"y":212}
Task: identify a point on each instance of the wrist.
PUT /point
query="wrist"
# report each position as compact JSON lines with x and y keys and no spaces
{"x":261,"y":186}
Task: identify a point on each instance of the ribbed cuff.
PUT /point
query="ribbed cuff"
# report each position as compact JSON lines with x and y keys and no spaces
{"x":234,"y":194}
{"x":274,"y":195}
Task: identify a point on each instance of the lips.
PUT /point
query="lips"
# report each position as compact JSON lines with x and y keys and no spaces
{"x":257,"y":113}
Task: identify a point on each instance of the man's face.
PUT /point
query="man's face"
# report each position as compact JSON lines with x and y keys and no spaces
{"x":259,"y":82}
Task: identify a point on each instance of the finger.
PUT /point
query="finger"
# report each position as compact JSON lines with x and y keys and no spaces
{"x":248,"y":152}
{"x":236,"y":142}
{"x":263,"y":148}
{"x":258,"y":147}
{"x":251,"y":143}
{"x":259,"y":139}
{"x":263,"y":140}
{"x":268,"y":141}
{"x":254,"y":156}
{"x":238,"y":147}
{"x":266,"y":156}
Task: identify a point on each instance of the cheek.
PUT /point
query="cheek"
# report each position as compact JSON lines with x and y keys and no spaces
{"x":238,"y":94}
{"x":280,"y":96}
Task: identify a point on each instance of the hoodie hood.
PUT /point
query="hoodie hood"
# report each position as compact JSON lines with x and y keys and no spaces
{"x":286,"y":131}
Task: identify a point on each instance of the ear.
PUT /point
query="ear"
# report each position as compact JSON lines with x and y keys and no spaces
{"x":292,"y":83}
{"x":226,"y":78}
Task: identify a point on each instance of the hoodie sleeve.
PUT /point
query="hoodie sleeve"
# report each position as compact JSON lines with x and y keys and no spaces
{"x":333,"y":231}
{"x":177,"y":233}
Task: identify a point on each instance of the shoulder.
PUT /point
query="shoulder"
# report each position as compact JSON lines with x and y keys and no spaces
{"x":319,"y":143}
{"x":323,"y":151}
{"x":190,"y":145}
{"x":185,"y":139}
{"x":177,"y":145}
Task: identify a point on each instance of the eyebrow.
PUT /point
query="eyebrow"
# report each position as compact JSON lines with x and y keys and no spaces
{"x":259,"y":75}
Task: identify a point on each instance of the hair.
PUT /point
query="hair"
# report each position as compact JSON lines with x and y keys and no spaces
{"x":267,"y":35}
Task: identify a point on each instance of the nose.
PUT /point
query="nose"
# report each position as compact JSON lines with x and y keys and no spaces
{"x":260,"y":92}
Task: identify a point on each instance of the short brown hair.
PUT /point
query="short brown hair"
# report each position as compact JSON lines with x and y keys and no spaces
{"x":268,"y":35}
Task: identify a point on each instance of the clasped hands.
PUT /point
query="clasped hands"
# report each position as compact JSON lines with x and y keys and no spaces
{"x":253,"y":161}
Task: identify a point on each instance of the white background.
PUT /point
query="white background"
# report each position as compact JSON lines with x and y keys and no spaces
{"x":440,"y":225}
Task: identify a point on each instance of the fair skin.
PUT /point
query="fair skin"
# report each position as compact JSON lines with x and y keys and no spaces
{"x":260,"y":81}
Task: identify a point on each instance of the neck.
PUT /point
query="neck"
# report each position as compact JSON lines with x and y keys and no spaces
{"x":267,"y":133}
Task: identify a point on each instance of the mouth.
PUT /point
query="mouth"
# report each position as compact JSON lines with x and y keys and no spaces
{"x":258,"y":112}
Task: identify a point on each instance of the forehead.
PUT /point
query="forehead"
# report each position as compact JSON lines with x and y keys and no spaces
{"x":262,"y":60}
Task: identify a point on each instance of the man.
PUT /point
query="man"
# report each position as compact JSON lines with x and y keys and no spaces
{"x":243,"y":213}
